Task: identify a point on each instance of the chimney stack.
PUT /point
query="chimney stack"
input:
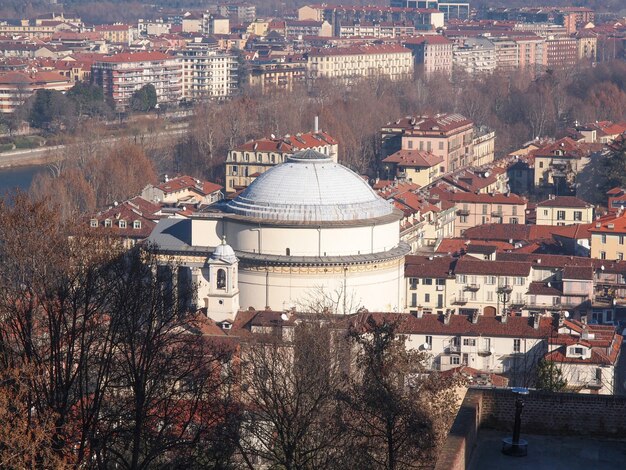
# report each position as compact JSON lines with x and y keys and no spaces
{"x":536,"y":318}
{"x":317,"y":124}
{"x":474,"y":317}
{"x":446,"y":317}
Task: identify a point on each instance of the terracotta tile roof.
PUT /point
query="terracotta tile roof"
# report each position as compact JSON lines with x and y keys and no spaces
{"x":414,"y":159}
{"x":461,"y":325}
{"x":288,"y":144}
{"x":428,"y":39}
{"x":184,"y":182}
{"x":478,"y":377}
{"x":565,"y":201}
{"x":542,"y":288}
{"x":19,"y":78}
{"x":482,"y":198}
{"x":112,"y":27}
{"x":581,"y":273}
{"x":436,"y":122}
{"x":423,"y":266}
{"x":468,"y":265}
{"x":452,"y":245}
{"x":609,"y":224}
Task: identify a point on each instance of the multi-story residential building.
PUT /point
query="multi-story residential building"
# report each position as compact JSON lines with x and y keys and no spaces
{"x":430,"y":283}
{"x":355,"y":62}
{"x":116,"y":33}
{"x":419,"y":167}
{"x":483,"y":146}
{"x":587,"y":45}
{"x":35,"y":29}
{"x":586,"y":355}
{"x":17,"y":87}
{"x":532,"y":52}
{"x":450,"y":9}
{"x":558,"y":164}
{"x":122,"y":74}
{"x":608,"y":237}
{"x":479,"y":209}
{"x":337,"y":15}
{"x":207,"y":72}
{"x":475,"y":55}
{"x":561,"y":52}
{"x":278,"y":73}
{"x":300,"y":28}
{"x":376,"y":30}
{"x":479,"y":180}
{"x":507,"y":53}
{"x":241,"y":11}
{"x":215,"y":24}
{"x":564,"y":210}
{"x":245,"y":162}
{"x":431,"y":53}
{"x":448,"y":136}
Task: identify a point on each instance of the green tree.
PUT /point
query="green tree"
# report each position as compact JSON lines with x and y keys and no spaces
{"x":89,"y":100}
{"x":550,"y":377}
{"x":144,"y":99}
{"x":51,"y":110}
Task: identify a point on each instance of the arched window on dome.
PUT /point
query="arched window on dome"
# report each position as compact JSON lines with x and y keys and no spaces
{"x":221,"y":279}
{"x":288,"y":251}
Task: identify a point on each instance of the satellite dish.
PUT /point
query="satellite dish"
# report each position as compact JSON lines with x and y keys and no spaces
{"x":284,"y":317}
{"x":566,"y":314}
{"x":426,"y":346}
{"x":602,"y":267}
{"x":549,"y":284}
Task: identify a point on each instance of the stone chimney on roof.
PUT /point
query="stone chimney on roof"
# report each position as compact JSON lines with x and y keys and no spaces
{"x":474,"y":317}
{"x":536,"y":320}
{"x":446,"y":317}
{"x":504,"y":317}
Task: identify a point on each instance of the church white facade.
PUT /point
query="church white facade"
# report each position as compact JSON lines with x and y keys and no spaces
{"x":308,"y":233}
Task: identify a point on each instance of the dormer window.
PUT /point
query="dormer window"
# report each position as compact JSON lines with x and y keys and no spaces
{"x":137,"y":224}
{"x":578,"y":351}
{"x":108,"y":223}
{"x":122,"y":223}
{"x":93,"y":223}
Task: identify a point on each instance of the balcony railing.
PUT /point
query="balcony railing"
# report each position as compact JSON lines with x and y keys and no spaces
{"x":460,"y":301}
{"x":463,"y":212}
{"x":472,"y":287}
{"x":454,"y":348}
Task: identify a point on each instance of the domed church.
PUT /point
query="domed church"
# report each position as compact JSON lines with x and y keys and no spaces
{"x":307,"y":232}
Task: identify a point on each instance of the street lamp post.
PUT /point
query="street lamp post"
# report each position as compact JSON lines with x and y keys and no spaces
{"x":504,"y":295}
{"x":514,"y":446}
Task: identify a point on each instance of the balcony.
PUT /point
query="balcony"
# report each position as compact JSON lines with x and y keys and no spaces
{"x":485,"y":352}
{"x":460,"y":301}
{"x":472,"y":287}
{"x":464,"y":212}
{"x":453,"y":348}
{"x":594,"y":384}
{"x":496,"y":214}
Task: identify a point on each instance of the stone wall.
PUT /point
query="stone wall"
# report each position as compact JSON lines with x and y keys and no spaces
{"x":544,"y":413}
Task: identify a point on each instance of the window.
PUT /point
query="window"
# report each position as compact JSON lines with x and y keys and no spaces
{"x":556,"y":300}
{"x":513,"y":220}
{"x":287,"y":251}
{"x":413,"y":300}
{"x":603,"y":255}
{"x":462,"y":279}
{"x":469,"y":342}
{"x":429,"y":340}
{"x":137,"y":224}
{"x":440,"y":145}
{"x":540,"y":164}
{"x":414,"y":282}
{"x":463,"y":219}
{"x":108,"y":223}
{"x":514,"y":210}
{"x":560,"y":215}
{"x":490,"y":280}
{"x":473,"y":295}
{"x":485,"y":209}
{"x":620,"y":256}
{"x":579,"y":351}
{"x":517,"y":345}
{"x":545,"y":212}
{"x":489,"y":296}
{"x":122,"y":224}
{"x":93,"y":223}
{"x":455,"y":360}
{"x":578,"y":215}
{"x":519,"y":281}
{"x":440,"y":282}
{"x":427,"y":298}
{"x":410,"y":143}
{"x":221,"y":279}
{"x":428,"y":281}
{"x":621,"y":239}
{"x":603,"y":238}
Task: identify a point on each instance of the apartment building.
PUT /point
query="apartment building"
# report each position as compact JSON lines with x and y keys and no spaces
{"x":479,"y":209}
{"x":116,"y":33}
{"x":276,"y":74}
{"x":450,"y":10}
{"x":122,"y":74}
{"x":17,"y":87}
{"x":507,"y":54}
{"x":557,"y":164}
{"x":355,"y":62}
{"x":300,"y":28}
{"x":532,"y":52}
{"x":245,"y":162}
{"x":448,"y":136}
{"x":376,"y":30}
{"x":214,"y":24}
{"x":564,"y":210}
{"x":475,"y":55}
{"x":608,"y":237}
{"x":431,"y":53}
{"x":561,"y":52}
{"x":483,"y":146}
{"x":183,"y":190}
{"x":206,"y":71}
{"x":419,"y":167}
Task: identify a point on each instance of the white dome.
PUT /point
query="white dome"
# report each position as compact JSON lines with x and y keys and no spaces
{"x":310,"y":187}
{"x":224,"y":252}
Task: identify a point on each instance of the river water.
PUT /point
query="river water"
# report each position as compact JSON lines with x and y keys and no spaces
{"x":17,"y":178}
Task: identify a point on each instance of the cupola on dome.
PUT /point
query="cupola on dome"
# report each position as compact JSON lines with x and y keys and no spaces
{"x":309,"y":187}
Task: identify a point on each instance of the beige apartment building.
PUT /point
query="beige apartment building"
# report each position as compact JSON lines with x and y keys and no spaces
{"x":448,"y":136}
{"x":245,"y":162}
{"x":558,"y":163}
{"x":355,"y":62}
{"x":419,"y":167}
{"x":17,"y":87}
{"x":479,"y":209}
{"x":432,"y":54}
{"x":608,"y":237}
{"x":116,"y":33}
{"x":564,"y":210}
